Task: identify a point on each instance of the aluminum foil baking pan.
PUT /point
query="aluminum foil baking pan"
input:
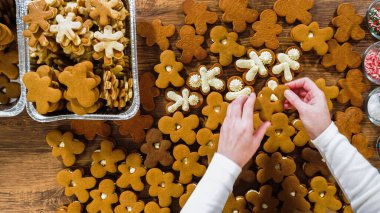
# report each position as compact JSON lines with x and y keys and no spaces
{"x":126,"y":114}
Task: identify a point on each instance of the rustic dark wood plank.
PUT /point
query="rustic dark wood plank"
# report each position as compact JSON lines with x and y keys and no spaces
{"x":27,"y":175}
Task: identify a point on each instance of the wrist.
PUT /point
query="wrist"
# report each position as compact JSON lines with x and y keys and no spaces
{"x":318,"y":131}
{"x":231,"y":158}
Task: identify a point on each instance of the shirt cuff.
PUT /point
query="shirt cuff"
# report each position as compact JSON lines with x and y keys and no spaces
{"x":326,"y":136}
{"x":220,"y":163}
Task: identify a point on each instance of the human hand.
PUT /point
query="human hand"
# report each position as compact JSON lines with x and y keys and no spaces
{"x":311,"y":104}
{"x":238,"y":141}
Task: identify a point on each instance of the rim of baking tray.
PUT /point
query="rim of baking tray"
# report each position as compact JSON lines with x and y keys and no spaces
{"x":374,"y":121}
{"x":377,"y":44}
{"x":367,"y":19}
{"x":25,"y":66}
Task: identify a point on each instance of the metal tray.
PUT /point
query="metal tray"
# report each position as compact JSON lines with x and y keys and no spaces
{"x":25,"y":67}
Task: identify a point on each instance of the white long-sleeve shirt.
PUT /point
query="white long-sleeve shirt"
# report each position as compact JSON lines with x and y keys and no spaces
{"x":358,"y":179}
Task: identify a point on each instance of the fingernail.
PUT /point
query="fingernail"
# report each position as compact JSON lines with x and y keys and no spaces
{"x":287,"y":93}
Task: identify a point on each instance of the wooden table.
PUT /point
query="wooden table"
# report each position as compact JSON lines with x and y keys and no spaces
{"x":28,"y":170}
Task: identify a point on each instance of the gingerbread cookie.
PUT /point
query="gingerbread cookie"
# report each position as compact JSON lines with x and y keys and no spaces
{"x":38,"y":15}
{"x":168,"y":71}
{"x":156,"y":33}
{"x":215,"y":110}
{"x":156,"y":149}
{"x":8,"y":90}
{"x":236,"y":88}
{"x":161,"y":185}
{"x":331,"y":92}
{"x":103,"y":12}
{"x":348,"y":122}
{"x":302,"y":137}
{"x":266,"y":31}
{"x":179,"y":127}
{"x":187,"y":164}
{"x":247,"y":175}
{"x":153,"y":207}
{"x":65,"y":145}
{"x":257,"y":65}
{"x":9,"y":61}
{"x":76,"y":184}
{"x":6,"y":36}
{"x":129,"y":203}
{"x":293,"y":196}
{"x":183,"y":100}
{"x":191,"y":45}
{"x":103,"y":198}
{"x":235,"y":204}
{"x":206,"y":79}
{"x":90,"y":129}
{"x":360,"y":142}
{"x":312,"y":37}
{"x":279,"y":135}
{"x":135,"y":127}
{"x":294,"y":10}
{"x":347,"y":206}
{"x":353,"y":87}
{"x":64,"y":29}
{"x":275,"y":167}
{"x":225,"y":44}
{"x":270,"y":100}
{"x":197,"y":14}
{"x":237,"y":13}
{"x":314,"y":163}
{"x":208,"y":143}
{"x":287,"y":64}
{"x":74,"y":207}
{"x":322,"y":194}
{"x":131,"y":172}
{"x":348,"y":24}
{"x":263,"y":200}
{"x":105,"y":159}
{"x":341,"y":56}
{"x":185,"y":197}
{"x":148,"y":91}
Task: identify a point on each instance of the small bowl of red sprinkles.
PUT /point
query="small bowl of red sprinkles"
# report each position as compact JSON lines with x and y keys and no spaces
{"x":371,"y":64}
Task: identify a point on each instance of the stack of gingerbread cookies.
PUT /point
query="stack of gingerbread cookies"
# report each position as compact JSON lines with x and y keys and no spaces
{"x":170,"y":155}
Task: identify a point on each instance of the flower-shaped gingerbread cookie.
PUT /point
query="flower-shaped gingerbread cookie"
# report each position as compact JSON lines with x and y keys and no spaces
{"x":208,"y":143}
{"x":360,"y":142}
{"x":129,"y":203}
{"x":64,"y":29}
{"x":302,"y":136}
{"x":215,"y":110}
{"x":148,"y":91}
{"x":104,"y":11}
{"x":348,"y":24}
{"x":185,"y":197}
{"x":237,"y":13}
{"x":74,"y":207}
{"x":168,"y":71}
{"x":341,"y":56}
{"x":183,"y":100}
{"x":287,"y":64}
{"x":191,"y":45}
{"x":135,"y":127}
{"x":153,"y":207}
{"x":8,"y":90}
{"x":225,"y":44}
{"x":235,"y":204}
{"x":90,"y":129}
{"x":331,"y":92}
{"x":105,"y":159}
{"x":275,"y":167}
{"x":266,"y":31}
{"x":314,"y":163}
{"x":205,"y":80}
{"x":65,"y":145}
{"x":323,"y":194}
{"x":76,"y":184}
{"x":256,"y":65}
{"x":162,"y":186}
{"x":294,"y":10}
{"x":179,"y":127}
{"x":293,"y":195}
{"x":156,"y":33}
{"x":348,"y":122}
{"x":38,"y":15}
{"x":312,"y":37}
{"x":353,"y":87}
{"x":103,"y":198}
{"x":262,"y":201}
{"x":156,"y":149}
{"x":236,"y":88}
{"x":197,"y":14}
{"x":131,"y":172}
{"x":279,"y":135}
{"x":187,"y":164}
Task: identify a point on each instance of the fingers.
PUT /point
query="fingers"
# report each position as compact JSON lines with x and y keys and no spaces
{"x":304,"y":83}
{"x":294,"y":100}
{"x":260,"y":132}
{"x":248,"y":108}
{"x":236,"y":107}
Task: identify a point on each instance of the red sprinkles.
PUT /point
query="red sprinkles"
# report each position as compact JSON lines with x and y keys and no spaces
{"x":372,"y":64}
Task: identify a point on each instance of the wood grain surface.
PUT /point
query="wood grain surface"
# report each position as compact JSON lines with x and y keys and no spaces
{"x":28,"y":170}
